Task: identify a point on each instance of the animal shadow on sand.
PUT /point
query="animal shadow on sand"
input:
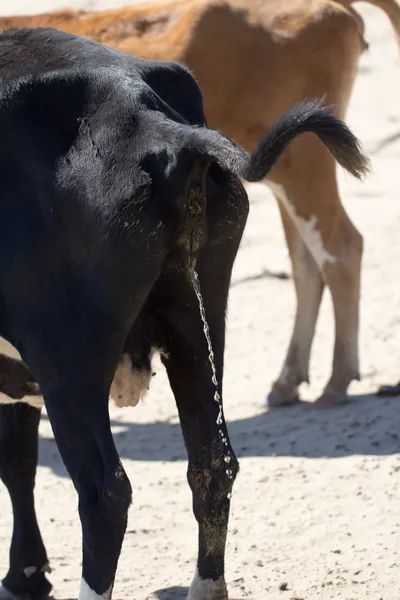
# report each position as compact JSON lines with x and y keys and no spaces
{"x":174,"y":593}
{"x":171,"y":593}
{"x":367,"y":425}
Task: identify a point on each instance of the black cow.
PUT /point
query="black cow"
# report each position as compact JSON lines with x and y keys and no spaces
{"x":113,"y":191}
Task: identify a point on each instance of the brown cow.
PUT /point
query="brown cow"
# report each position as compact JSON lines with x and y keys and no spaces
{"x":253,"y":60}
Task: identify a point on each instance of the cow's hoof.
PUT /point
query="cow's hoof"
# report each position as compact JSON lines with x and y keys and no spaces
{"x":331,"y":399}
{"x":389,"y":390}
{"x":276,"y":398}
{"x":207,"y":589}
{"x":5,"y":594}
{"x":36,"y":587}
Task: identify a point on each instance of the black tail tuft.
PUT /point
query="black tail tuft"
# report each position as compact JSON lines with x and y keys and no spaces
{"x":310,"y":117}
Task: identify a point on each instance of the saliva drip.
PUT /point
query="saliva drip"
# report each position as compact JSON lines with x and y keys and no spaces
{"x":217,"y":397}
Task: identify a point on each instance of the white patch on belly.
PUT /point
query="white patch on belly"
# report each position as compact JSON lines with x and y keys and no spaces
{"x":34,"y":401}
{"x":307,"y":229}
{"x":131,"y":385}
{"x":86,"y":593}
{"x":206,"y":589}
{"x":128,"y":387}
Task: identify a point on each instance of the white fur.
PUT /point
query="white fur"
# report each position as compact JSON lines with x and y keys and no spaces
{"x":29,"y":571}
{"x":207,"y":589}
{"x":86,"y":593}
{"x":283,"y":375}
{"x":307,"y":229}
{"x":35,"y":401}
{"x":129,"y":385}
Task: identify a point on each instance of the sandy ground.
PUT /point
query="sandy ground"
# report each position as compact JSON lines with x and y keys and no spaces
{"x":316,"y":505}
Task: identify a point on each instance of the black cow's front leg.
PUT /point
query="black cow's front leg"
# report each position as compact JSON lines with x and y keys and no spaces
{"x":18,"y":460}
{"x":80,"y":421}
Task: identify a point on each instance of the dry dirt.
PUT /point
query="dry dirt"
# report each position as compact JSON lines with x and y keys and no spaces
{"x":316,"y":507}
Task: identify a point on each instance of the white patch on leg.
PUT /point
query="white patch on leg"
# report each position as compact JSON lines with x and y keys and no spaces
{"x":29,"y":571}
{"x":307,"y":229}
{"x":207,"y":589}
{"x":313,"y":240}
{"x":354,"y":358}
{"x":283,"y":375}
{"x":86,"y":593}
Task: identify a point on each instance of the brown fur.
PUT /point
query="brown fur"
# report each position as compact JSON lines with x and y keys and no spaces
{"x":253,"y":60}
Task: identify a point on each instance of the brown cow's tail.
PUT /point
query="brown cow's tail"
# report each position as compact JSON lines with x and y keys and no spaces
{"x":390,"y":7}
{"x":307,"y":117}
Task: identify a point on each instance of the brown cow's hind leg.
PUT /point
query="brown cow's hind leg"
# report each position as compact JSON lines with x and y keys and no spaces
{"x":343,"y":279}
{"x":331,"y":252}
{"x":309,"y":286}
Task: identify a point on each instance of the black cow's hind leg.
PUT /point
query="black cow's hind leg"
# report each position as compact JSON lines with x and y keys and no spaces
{"x":18,"y":460}
{"x":212,"y":464}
